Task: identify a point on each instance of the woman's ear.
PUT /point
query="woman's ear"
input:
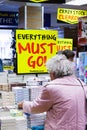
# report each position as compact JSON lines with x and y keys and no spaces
{"x":52,"y":75}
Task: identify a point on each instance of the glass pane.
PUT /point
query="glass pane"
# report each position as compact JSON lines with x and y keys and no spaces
{"x":5,"y":44}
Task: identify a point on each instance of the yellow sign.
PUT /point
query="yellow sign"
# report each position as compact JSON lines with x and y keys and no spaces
{"x":37,"y":1}
{"x":34,"y":48}
{"x":8,"y":67}
{"x":70,"y":15}
{"x":42,"y":1}
{"x":64,"y":44}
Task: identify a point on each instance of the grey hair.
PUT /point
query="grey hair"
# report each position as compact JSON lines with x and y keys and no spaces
{"x":60,"y":65}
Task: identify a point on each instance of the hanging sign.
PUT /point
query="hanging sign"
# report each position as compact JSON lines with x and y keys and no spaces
{"x":34,"y":48}
{"x":64,"y":43}
{"x":8,"y":18}
{"x":42,"y":1}
{"x":8,"y":67}
{"x":70,"y":15}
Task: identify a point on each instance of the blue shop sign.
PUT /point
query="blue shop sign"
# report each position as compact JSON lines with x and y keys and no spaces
{"x":8,"y":18}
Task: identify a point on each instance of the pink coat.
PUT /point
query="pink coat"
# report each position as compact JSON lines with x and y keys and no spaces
{"x":63,"y":100}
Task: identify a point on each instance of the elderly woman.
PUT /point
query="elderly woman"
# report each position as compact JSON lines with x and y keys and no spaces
{"x":62,"y":98}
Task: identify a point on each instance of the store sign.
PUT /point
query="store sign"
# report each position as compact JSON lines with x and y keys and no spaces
{"x":34,"y":48}
{"x":70,"y":15}
{"x":8,"y":18}
{"x":64,"y":43}
{"x":8,"y":67}
{"x":41,"y":1}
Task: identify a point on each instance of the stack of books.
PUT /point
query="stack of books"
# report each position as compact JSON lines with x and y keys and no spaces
{"x":20,"y":94}
{"x":8,"y":98}
{"x":7,"y":123}
{"x":21,"y":123}
{"x":35,"y":119}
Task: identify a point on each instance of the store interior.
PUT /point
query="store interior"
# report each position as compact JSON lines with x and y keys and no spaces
{"x":16,"y":87}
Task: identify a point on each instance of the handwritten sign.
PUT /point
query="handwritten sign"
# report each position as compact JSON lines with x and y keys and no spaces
{"x":64,"y":43}
{"x":34,"y":48}
{"x":70,"y":15}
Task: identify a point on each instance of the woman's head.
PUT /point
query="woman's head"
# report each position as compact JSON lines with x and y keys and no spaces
{"x":68,"y":53}
{"x":59,"y":66}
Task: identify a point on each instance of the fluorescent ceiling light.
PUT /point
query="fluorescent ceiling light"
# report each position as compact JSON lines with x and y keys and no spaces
{"x":77,"y":2}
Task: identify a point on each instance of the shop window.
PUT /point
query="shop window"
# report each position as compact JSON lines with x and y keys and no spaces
{"x":5,"y":44}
